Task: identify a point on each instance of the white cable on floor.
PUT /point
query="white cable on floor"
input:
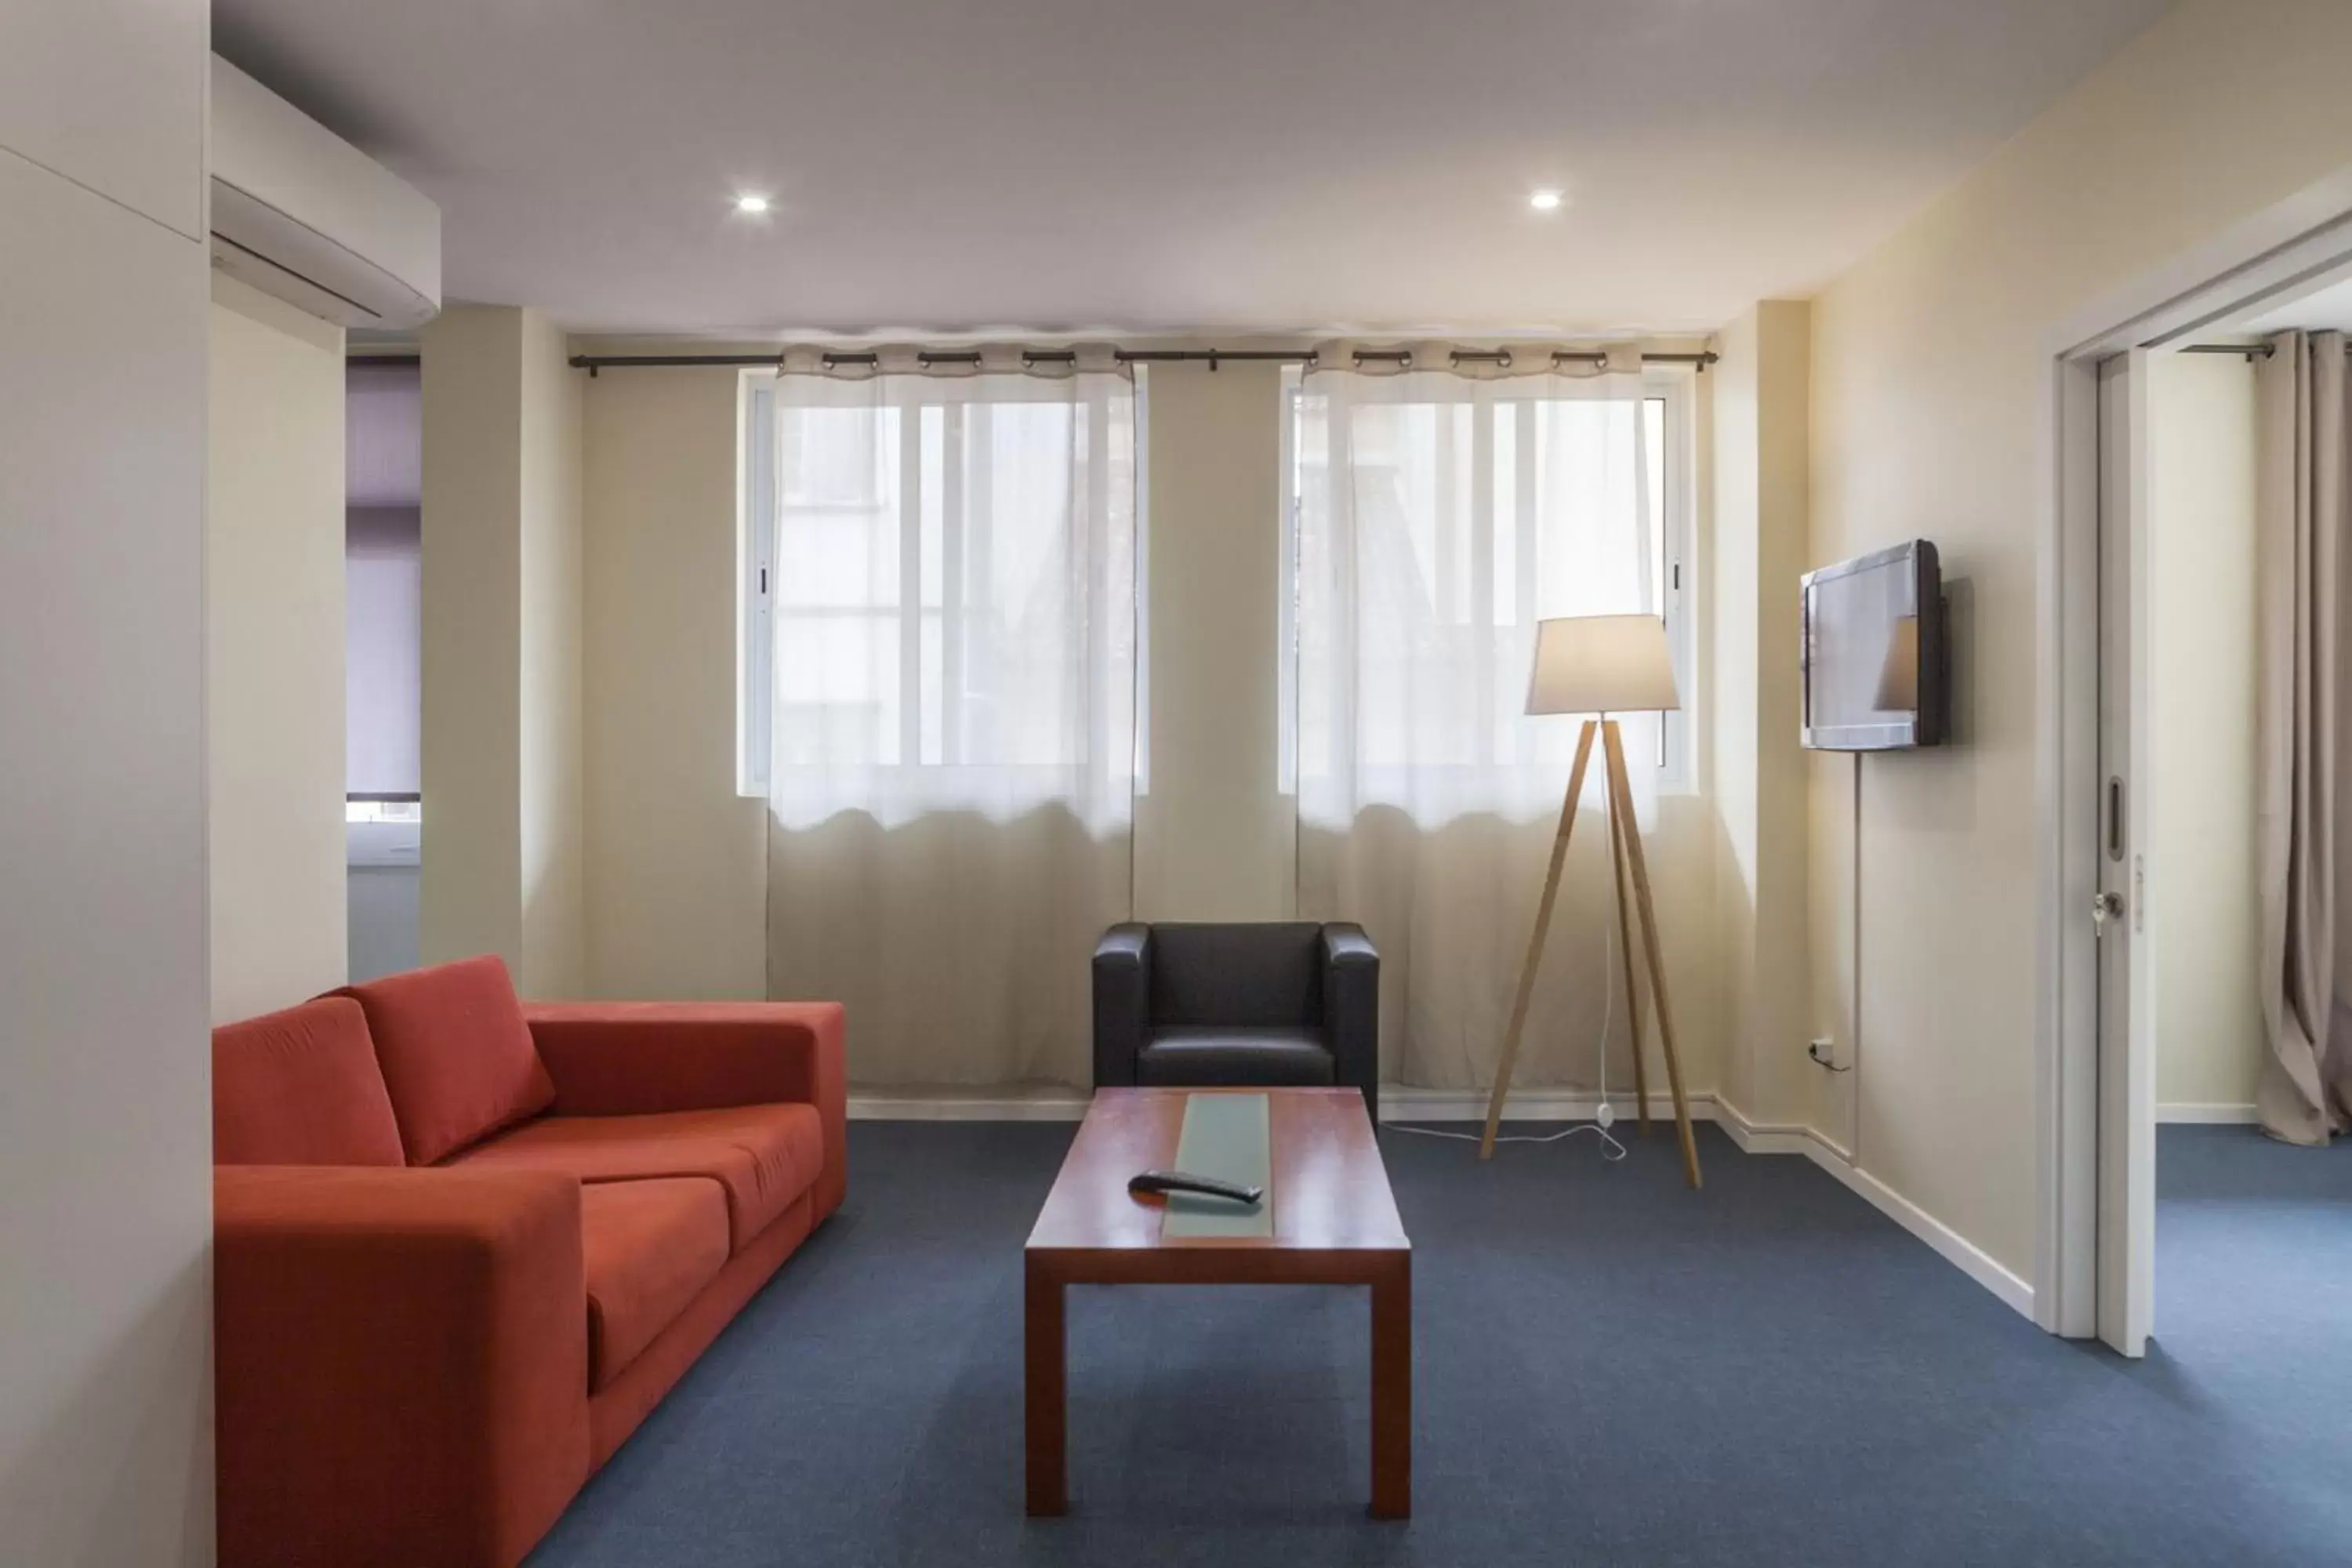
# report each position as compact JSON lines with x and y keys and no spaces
{"x":1612,"y":1151}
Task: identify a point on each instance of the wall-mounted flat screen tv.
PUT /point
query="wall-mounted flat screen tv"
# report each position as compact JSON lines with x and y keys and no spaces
{"x":1875,"y":675}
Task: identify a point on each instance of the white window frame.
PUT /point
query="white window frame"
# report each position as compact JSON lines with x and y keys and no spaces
{"x":758,"y":509}
{"x":1676,"y":770}
{"x":755,"y":563}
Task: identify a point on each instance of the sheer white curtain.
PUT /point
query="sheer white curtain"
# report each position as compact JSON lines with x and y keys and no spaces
{"x":951,"y":773}
{"x":1440,"y":516}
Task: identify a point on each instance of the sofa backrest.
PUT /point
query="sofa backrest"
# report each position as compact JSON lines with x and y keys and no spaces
{"x":302,"y":1088}
{"x":1267,"y":975}
{"x":456,"y":1056}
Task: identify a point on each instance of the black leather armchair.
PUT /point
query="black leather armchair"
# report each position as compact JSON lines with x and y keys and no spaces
{"x":1289,"y":1003}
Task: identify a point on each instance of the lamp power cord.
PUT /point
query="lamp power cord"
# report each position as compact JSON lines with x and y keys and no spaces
{"x":1603,"y":1117}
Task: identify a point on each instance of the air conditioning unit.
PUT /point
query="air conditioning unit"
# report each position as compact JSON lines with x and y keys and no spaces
{"x":301,"y":214}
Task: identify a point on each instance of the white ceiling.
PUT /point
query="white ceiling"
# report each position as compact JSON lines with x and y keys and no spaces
{"x":1143,"y":165}
{"x":2327,"y":311}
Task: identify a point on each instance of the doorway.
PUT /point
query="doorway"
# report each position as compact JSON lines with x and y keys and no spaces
{"x":2148,"y":770}
{"x":382,"y":582}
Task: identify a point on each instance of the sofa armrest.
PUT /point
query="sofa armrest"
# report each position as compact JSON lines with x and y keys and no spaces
{"x":1122,"y":1001}
{"x":634,"y":1059}
{"x":401,"y":1363}
{"x":1351,"y":1009}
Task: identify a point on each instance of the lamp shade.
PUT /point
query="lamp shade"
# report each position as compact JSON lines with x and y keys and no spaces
{"x":1602,"y":664}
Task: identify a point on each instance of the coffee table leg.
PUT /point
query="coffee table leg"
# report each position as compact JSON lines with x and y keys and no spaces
{"x":1048,"y":1413}
{"x":1392,"y":1392}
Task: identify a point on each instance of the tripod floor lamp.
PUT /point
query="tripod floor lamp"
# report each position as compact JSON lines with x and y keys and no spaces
{"x":1604,"y":664}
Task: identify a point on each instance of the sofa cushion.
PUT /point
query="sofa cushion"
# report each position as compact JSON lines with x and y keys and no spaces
{"x":1210,"y":1056}
{"x":647,"y":1248}
{"x":456,"y":1053}
{"x":302,"y":1088}
{"x":764,"y":1155}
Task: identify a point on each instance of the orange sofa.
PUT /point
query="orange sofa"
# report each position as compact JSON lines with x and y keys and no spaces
{"x":463,"y":1245}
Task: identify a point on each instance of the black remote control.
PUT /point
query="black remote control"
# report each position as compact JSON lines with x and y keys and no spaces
{"x":1185,"y":1182}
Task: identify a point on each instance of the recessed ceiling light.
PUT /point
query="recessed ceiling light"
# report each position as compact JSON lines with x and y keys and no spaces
{"x":750,"y":202}
{"x":1544,"y":201}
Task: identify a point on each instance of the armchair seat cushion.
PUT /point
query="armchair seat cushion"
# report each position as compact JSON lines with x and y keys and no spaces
{"x":647,"y":1248}
{"x":765,"y":1157}
{"x":1210,"y":1055}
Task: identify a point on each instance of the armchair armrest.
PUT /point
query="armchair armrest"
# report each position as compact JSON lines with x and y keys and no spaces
{"x":401,"y":1363}
{"x":635,"y":1059}
{"x":1122,"y":1001}
{"x":1351,"y":1009}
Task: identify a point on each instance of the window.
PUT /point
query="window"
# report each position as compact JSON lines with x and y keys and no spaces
{"x":937,"y":575}
{"x":1470,"y":510}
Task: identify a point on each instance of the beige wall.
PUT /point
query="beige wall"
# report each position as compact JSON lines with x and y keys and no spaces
{"x":677,"y":863}
{"x":1931,"y":376}
{"x":106,"y":1452}
{"x":1214,"y":835}
{"x":469,"y":761}
{"x":554,"y":920}
{"x":500,"y":735}
{"x":1760,"y":390}
{"x":274,"y":650}
{"x":2200,"y":794}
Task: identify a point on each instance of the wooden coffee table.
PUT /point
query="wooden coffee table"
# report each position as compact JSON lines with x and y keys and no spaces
{"x":1335,"y":1223}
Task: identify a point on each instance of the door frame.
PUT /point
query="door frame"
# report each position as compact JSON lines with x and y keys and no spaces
{"x":2127,"y":1053}
{"x":2288,"y":250}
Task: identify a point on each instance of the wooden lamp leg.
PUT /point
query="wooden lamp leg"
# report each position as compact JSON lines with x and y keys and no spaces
{"x":1536,"y":940}
{"x":1621,"y":804}
{"x":1619,"y":826}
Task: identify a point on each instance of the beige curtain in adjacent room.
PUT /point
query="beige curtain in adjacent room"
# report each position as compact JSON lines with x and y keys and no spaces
{"x":953,"y":703}
{"x":1447,"y":503}
{"x":2304,"y":509}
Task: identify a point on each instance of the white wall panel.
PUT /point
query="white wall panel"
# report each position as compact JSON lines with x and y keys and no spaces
{"x":105,"y":1100}
{"x":110,"y":94}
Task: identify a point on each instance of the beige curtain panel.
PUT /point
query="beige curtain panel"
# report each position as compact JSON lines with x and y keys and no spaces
{"x":2304,"y":509}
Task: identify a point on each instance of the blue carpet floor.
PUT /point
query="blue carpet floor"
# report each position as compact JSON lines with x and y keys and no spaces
{"x":1609,"y":1369}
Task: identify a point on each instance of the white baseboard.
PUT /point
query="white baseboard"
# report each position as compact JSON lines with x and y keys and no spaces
{"x":1402,"y":1104}
{"x":1754,"y":1137}
{"x":975,"y":1105}
{"x":1956,"y":1249}
{"x":1767,"y":1138}
{"x":1399,"y":1103}
{"x":2231,"y":1115}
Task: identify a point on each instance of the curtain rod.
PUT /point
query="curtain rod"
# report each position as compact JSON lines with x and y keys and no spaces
{"x":592,"y":363}
{"x":2252,"y":351}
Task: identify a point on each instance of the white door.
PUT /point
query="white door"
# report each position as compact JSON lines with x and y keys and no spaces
{"x":2126,"y":1099}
